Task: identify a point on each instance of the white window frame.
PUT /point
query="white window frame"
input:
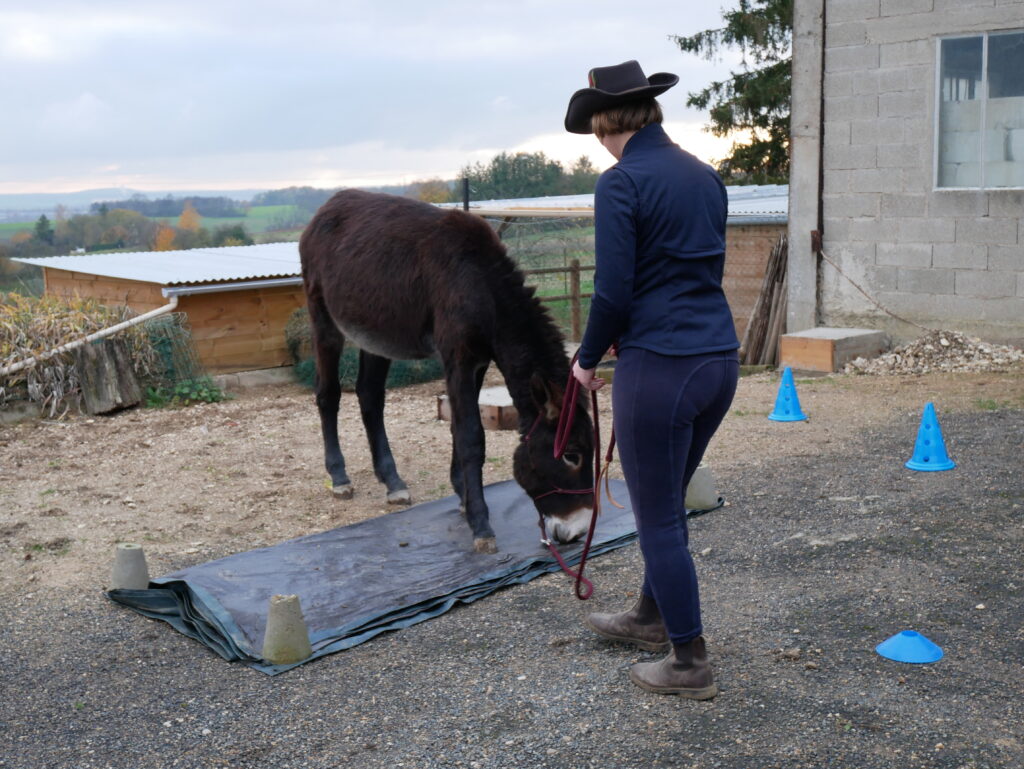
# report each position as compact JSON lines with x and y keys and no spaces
{"x":937,"y":139}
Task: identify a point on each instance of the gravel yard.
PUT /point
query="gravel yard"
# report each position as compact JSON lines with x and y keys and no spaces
{"x":827,"y":546}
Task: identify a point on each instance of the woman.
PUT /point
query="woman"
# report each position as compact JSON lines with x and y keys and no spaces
{"x":659,"y":217}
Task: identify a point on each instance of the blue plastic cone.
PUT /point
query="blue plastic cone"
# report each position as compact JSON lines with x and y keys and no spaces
{"x":930,"y":450}
{"x":787,"y":404}
{"x":909,"y":646}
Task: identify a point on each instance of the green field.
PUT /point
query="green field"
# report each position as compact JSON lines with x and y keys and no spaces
{"x":258,"y":219}
{"x":9,"y":229}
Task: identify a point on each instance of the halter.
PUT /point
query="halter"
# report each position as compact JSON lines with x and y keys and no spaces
{"x":562,"y":432}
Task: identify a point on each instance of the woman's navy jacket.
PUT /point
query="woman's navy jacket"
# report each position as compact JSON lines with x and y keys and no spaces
{"x":659,"y":218}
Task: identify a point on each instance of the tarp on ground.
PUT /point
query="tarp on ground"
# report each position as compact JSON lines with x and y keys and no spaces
{"x":358,"y":581}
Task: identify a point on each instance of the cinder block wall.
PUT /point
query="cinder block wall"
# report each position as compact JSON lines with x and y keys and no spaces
{"x":946,"y":259}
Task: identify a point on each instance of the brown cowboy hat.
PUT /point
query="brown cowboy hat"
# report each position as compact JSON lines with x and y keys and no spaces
{"x":610,"y":87}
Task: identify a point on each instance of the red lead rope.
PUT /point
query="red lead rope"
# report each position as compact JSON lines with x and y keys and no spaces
{"x":584,"y":588}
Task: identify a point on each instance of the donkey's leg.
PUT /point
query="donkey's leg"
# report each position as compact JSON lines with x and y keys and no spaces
{"x":456,"y":468}
{"x":370,"y":387}
{"x":468,"y":439}
{"x":327,"y":344}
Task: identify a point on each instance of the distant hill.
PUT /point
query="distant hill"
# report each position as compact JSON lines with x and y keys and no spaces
{"x":80,"y":201}
{"x":25,"y":206}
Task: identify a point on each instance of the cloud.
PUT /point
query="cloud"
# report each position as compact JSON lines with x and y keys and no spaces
{"x":242,"y":93}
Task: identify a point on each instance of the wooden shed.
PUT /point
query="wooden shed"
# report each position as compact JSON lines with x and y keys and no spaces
{"x":237,"y":298}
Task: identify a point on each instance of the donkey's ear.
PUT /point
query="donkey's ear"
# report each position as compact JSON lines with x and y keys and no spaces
{"x":546,"y":396}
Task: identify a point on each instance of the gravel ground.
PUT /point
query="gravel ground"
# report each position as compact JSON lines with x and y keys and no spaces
{"x":827,"y":547}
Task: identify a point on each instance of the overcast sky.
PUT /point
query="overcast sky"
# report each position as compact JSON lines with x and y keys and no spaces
{"x":225,"y":94}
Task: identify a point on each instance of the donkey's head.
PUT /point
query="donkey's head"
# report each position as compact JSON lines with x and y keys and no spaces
{"x":562,"y":488}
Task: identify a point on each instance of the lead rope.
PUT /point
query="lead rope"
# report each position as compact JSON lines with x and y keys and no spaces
{"x":565,"y":420}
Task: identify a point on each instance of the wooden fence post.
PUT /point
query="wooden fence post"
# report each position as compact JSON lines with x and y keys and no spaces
{"x":574,"y":298}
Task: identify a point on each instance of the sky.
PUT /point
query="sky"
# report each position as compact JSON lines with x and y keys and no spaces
{"x":227,"y":95}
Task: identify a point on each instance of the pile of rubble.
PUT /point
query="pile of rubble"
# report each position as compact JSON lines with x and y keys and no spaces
{"x":939,"y":351}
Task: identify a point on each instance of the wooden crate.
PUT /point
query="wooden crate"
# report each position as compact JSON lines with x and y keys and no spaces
{"x":829,"y":349}
{"x":496,"y":409}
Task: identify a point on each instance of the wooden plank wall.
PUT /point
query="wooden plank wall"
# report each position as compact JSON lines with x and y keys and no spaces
{"x":232,"y":330}
{"x":242,"y":330}
{"x":141,"y":297}
{"x":747,"y":248}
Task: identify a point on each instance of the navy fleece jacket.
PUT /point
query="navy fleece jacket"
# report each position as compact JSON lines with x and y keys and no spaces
{"x":659,"y":217}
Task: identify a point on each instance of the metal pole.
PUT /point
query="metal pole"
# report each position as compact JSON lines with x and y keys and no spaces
{"x":465,"y":193}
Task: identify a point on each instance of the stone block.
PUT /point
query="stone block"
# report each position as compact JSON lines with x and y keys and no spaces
{"x":898,"y":155}
{"x":1006,"y":258}
{"x":837,"y":182}
{"x":985,"y":284}
{"x":497,"y":412}
{"x":927,"y":230}
{"x":925,"y":281}
{"x":901,"y":104}
{"x":960,"y":256}
{"x":874,"y":180}
{"x":851,"y":58}
{"x":844,"y":33}
{"x":852,"y":107}
{"x":851,"y":204}
{"x":837,"y":132}
{"x":853,"y":10}
{"x":904,"y":254}
{"x":840,"y":83}
{"x":829,"y":349}
{"x":989,"y":230}
{"x":877,"y":130}
{"x":873,"y":229}
{"x":1006,"y":203}
{"x":890,"y":80}
{"x":959,"y":203}
{"x":905,"y":7}
{"x":883,"y":278}
{"x":899,"y":205}
{"x":905,"y":54}
{"x":839,"y":157}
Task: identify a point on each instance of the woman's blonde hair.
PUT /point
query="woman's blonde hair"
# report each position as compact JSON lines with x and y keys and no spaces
{"x":631,"y":116}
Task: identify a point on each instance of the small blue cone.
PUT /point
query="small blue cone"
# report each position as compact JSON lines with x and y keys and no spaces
{"x":930,"y":450}
{"x":910,"y":646}
{"x":787,"y":404}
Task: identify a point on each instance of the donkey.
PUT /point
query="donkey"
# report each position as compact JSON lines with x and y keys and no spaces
{"x":405,"y":280}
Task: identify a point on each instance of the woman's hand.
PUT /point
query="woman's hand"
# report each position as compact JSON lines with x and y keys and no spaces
{"x":585,"y":376}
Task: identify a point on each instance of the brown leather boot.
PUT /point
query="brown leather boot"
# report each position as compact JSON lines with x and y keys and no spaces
{"x":641,"y":625}
{"x":685,"y":671}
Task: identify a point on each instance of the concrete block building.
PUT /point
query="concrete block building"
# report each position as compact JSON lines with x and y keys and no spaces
{"x":907,"y":177}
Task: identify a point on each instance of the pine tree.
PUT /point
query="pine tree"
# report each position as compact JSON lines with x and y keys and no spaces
{"x":757,"y":99}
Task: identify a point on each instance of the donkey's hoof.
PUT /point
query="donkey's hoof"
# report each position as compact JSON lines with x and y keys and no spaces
{"x":345,"y":491}
{"x":485,"y":545}
{"x":399,"y":497}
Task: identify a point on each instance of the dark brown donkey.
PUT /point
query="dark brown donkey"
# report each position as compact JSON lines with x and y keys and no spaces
{"x":405,"y":280}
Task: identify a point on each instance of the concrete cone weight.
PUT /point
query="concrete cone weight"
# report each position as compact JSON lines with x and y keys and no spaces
{"x":286,"y":640}
{"x":130,"y":571}
{"x":701,"y":494}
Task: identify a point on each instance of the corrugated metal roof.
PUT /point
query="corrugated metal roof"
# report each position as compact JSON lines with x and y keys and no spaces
{"x":198,"y":265}
{"x":760,"y":202}
{"x":755,"y":204}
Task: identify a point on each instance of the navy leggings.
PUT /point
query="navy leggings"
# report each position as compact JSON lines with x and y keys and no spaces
{"x":666,"y":409}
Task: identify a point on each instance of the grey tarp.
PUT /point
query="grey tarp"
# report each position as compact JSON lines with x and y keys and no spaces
{"x":357,"y":581}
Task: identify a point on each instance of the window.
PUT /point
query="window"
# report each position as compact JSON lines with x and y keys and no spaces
{"x":981,"y":111}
